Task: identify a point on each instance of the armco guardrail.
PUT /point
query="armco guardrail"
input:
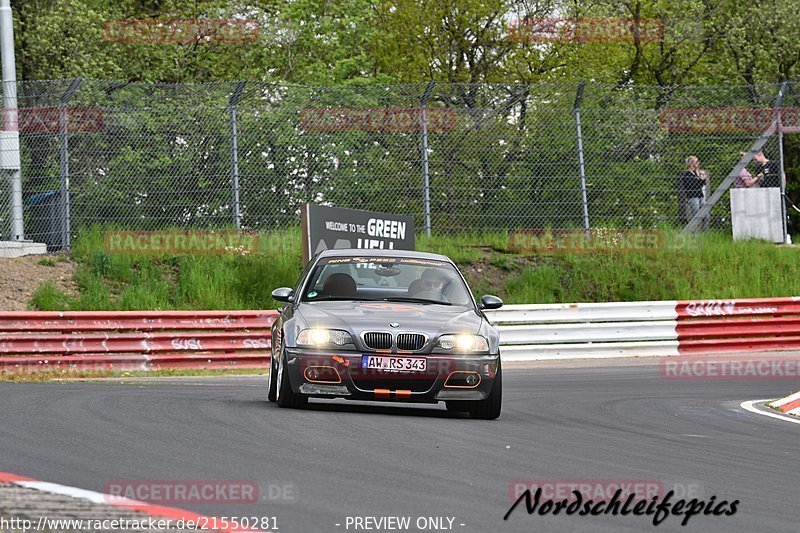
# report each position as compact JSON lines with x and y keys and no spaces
{"x":142,"y":340}
{"x":589,"y":330}
{"x":134,"y":340}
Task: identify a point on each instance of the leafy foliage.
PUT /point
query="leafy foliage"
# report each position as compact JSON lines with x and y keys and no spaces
{"x":325,"y":42}
{"x":512,"y":142}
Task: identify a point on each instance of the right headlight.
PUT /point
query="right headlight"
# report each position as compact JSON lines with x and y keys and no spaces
{"x":463,"y":343}
{"x":323,"y":337}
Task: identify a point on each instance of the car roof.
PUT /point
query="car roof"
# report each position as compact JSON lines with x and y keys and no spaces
{"x":377,"y":252}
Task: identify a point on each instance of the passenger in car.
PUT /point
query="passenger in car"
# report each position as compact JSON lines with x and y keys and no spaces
{"x":339,"y":285}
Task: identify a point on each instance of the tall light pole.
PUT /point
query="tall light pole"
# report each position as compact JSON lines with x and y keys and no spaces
{"x":9,"y":137}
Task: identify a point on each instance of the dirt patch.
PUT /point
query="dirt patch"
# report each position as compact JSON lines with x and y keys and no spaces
{"x":485,"y":278}
{"x":20,"y":277}
{"x":489,"y":275}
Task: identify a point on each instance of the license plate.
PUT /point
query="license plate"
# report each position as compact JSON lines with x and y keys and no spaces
{"x":397,"y":364}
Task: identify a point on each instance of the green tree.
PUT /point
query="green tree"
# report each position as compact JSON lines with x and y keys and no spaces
{"x":760,"y":40}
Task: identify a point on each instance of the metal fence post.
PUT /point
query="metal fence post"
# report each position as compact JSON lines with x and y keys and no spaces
{"x":780,"y":166}
{"x":426,"y":183}
{"x":577,"y":110}
{"x":9,"y":138}
{"x":237,"y":93}
{"x":66,"y":215}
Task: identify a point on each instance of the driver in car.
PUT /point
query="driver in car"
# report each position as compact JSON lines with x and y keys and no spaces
{"x":430,"y":285}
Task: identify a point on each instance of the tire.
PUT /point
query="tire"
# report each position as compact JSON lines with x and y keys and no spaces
{"x":285,"y":396}
{"x":272,"y":381}
{"x":489,"y":409}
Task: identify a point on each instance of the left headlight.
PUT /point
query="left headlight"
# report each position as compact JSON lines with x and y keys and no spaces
{"x":463,"y":343}
{"x":322,"y":337}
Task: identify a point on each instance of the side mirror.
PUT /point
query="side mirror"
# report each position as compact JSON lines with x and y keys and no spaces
{"x":490,"y":302}
{"x":283,"y":294}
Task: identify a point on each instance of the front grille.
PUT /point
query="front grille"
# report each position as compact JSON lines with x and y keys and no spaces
{"x":378,"y":340}
{"x":410,"y":341}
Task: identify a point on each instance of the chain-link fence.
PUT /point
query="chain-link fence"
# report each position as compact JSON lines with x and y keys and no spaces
{"x":456,"y":157}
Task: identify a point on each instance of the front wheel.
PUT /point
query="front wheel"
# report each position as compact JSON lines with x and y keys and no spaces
{"x":272,"y":383}
{"x":489,"y":409}
{"x":286,"y":396}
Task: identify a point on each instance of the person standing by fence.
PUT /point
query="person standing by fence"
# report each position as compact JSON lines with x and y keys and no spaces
{"x":690,"y":189}
{"x":768,"y":172}
{"x":745,"y":180}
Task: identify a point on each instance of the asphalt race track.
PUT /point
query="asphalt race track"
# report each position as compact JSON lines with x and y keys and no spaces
{"x":318,"y":466}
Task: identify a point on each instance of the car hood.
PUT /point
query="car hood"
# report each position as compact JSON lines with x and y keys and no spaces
{"x":356,"y":317}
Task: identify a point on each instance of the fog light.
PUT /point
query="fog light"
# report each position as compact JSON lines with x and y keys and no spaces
{"x":322,"y":374}
{"x":462,"y":379}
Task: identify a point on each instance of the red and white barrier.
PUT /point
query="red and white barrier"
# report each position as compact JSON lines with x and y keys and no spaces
{"x":789,"y":405}
{"x":662,"y":328}
{"x":134,"y":340}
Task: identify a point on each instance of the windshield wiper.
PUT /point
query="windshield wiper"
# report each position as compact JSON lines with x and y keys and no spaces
{"x":415,"y":300}
{"x":340,"y":299}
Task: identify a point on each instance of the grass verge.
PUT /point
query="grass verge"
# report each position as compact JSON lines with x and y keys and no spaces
{"x":703,"y":267}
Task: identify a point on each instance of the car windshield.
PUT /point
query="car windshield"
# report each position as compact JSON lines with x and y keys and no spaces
{"x":387,"y":278}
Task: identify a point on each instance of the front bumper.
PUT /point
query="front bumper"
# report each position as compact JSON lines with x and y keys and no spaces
{"x":340,"y":375}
